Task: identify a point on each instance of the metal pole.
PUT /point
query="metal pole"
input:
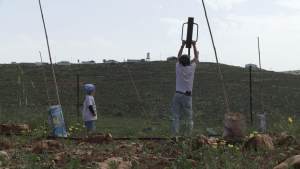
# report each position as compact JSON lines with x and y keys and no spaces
{"x":189,"y":52}
{"x":78,"y":95}
{"x":250,"y":95}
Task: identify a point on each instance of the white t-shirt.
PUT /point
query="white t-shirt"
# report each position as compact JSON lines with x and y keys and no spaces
{"x":185,"y":77}
{"x":86,"y":113}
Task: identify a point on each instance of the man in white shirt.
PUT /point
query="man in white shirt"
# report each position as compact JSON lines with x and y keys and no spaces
{"x":185,"y":70}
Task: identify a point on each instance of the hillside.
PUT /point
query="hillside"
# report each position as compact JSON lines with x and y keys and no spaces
{"x":155,"y":81}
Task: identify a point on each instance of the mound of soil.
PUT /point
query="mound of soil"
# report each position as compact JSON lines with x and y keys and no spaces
{"x":52,"y":146}
{"x":4,"y":145}
{"x":99,"y":138}
{"x":13,"y":128}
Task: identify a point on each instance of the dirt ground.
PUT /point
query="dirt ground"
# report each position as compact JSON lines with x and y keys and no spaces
{"x":101,"y":151}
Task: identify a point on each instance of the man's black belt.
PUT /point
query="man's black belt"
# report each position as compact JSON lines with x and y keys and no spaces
{"x":184,"y":93}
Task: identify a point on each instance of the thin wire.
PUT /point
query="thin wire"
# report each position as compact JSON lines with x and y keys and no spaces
{"x":264,"y":105}
{"x":216,"y":58}
{"x":137,"y":94}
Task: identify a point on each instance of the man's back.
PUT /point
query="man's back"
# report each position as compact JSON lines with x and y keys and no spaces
{"x":185,"y":77}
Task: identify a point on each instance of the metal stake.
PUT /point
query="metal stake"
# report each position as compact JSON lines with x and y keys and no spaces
{"x":250,"y":94}
{"x":78,"y":95}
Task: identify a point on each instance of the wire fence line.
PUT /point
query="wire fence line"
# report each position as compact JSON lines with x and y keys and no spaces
{"x":116,"y":96}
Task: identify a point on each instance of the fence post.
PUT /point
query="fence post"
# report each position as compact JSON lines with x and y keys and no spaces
{"x":250,"y":95}
{"x":78,"y":95}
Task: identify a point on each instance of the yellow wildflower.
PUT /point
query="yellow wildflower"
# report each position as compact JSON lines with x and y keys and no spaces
{"x":76,"y":128}
{"x":41,"y":126}
{"x":35,"y":129}
{"x":223,"y":143}
{"x":230,"y":146}
{"x":214,"y":146}
{"x":45,"y":131}
{"x":237,"y":148}
{"x":251,"y":135}
{"x":215,"y":143}
{"x":78,"y":124}
{"x":255,"y":132}
{"x":70,"y":129}
{"x":290,"y":120}
{"x":83,"y":125}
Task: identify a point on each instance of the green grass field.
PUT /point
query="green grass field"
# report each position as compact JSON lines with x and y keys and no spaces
{"x":119,"y":109}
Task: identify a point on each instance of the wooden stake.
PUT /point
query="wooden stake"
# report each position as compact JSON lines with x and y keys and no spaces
{"x":137,"y":94}
{"x":216,"y":59}
{"x":49,"y":53}
{"x":261,"y":88}
{"x":45,"y":79}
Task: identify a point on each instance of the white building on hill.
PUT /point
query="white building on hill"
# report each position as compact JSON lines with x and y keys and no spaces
{"x":133,"y":60}
{"x":64,"y":63}
{"x":88,"y":62}
{"x":110,"y":61}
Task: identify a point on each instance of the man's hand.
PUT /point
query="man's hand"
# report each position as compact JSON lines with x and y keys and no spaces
{"x":183,"y":42}
{"x":95,"y":114}
{"x":194,"y":43}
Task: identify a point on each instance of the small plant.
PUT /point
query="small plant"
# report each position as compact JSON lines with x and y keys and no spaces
{"x":114,"y":164}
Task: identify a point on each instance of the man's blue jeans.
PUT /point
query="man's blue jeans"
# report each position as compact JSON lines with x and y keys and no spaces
{"x":182,"y":102}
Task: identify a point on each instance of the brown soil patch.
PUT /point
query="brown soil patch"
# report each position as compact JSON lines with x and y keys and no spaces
{"x":4,"y":145}
{"x":52,"y":146}
{"x":98,"y":138}
{"x":12,"y":128}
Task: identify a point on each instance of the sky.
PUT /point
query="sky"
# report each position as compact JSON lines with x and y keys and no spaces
{"x":116,"y":30}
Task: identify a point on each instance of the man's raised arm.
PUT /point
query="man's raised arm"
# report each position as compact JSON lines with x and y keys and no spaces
{"x":195,"y":52}
{"x":181,"y":49}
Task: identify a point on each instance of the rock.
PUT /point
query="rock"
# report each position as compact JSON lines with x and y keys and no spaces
{"x":204,"y":142}
{"x":4,"y":155}
{"x":57,"y":158}
{"x":82,"y":143}
{"x":260,"y":140}
{"x":24,"y":127}
{"x":284,"y":139}
{"x":191,"y":160}
{"x":122,"y":165}
{"x":11,"y":150}
{"x":27,"y":150}
{"x":52,"y":146}
{"x":293,"y":162}
{"x":108,"y":137}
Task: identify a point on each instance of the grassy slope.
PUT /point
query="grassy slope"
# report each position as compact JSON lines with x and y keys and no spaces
{"x":119,"y":106}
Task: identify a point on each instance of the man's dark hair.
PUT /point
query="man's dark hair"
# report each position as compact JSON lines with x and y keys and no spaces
{"x":184,"y":60}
